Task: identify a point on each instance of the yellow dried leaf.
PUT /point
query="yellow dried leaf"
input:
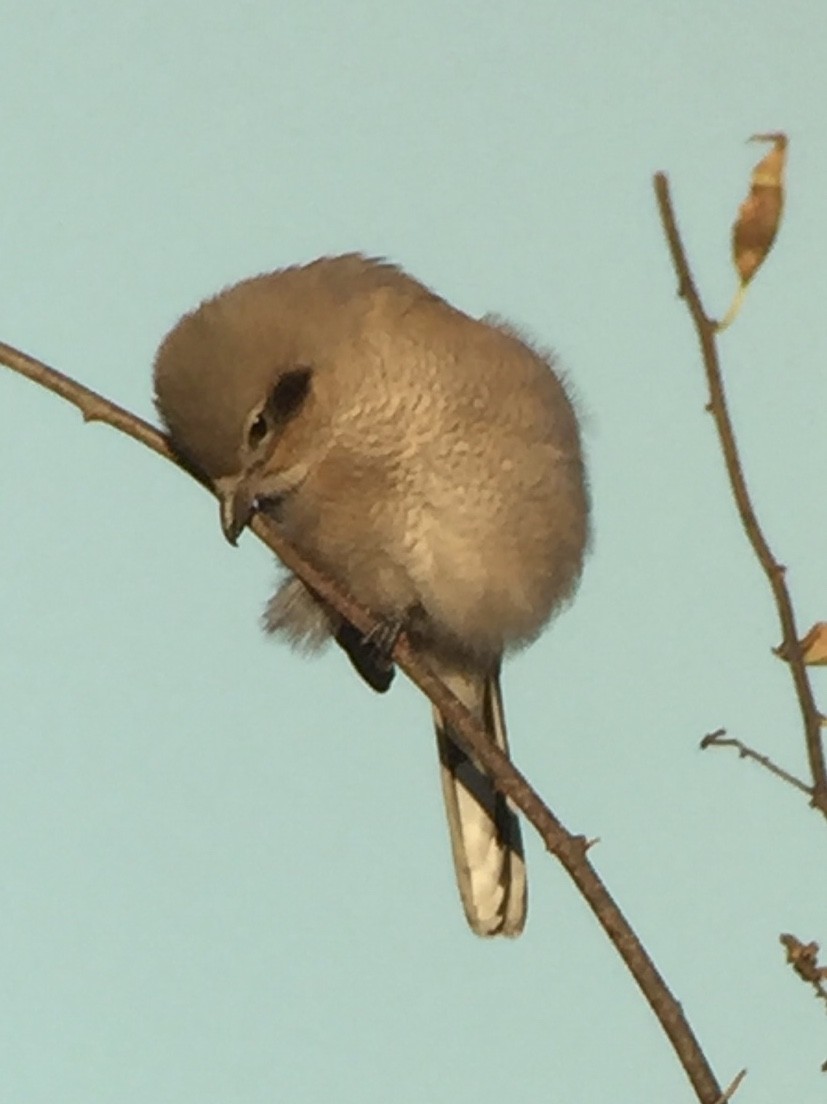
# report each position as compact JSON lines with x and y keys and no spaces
{"x":813,"y":646}
{"x":759,"y":216}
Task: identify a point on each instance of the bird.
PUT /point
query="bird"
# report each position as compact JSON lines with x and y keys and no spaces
{"x":428,"y":461}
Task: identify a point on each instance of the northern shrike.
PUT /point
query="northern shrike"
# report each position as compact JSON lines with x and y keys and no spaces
{"x":427,"y":461}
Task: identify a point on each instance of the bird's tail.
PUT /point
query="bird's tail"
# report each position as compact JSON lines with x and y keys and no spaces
{"x":485,"y":834}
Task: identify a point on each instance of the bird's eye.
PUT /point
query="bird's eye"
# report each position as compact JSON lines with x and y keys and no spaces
{"x":289,"y":393}
{"x":257,"y":431}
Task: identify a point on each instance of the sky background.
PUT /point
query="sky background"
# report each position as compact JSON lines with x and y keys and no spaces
{"x":224,"y":872}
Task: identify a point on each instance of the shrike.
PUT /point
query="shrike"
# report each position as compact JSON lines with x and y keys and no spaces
{"x":427,"y":461}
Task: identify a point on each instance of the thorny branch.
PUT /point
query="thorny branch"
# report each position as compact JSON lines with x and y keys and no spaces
{"x":569,"y":849}
{"x":774,"y":571}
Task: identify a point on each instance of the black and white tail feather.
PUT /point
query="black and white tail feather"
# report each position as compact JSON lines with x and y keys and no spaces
{"x":486,"y":841}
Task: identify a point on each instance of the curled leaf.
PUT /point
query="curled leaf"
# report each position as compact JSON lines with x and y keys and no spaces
{"x":803,"y":957}
{"x":759,"y":216}
{"x":813,"y":646}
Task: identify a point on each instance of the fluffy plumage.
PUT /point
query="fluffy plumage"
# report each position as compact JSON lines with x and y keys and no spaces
{"x":427,"y":461}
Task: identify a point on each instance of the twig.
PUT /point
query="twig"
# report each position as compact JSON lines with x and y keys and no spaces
{"x":719,"y":738}
{"x":774,"y":571}
{"x":733,"y":1087}
{"x":92,"y":406}
{"x":569,"y":849}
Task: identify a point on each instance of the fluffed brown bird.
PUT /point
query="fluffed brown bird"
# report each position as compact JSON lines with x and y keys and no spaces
{"x":427,"y":461}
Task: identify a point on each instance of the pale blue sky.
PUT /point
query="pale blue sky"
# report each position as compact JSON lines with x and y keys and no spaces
{"x":225,"y":872}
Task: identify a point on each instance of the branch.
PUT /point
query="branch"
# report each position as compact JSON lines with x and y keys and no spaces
{"x":774,"y":571}
{"x":569,"y":849}
{"x":92,"y":406}
{"x":719,"y":738}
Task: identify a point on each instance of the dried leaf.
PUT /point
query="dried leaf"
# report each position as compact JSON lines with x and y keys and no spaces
{"x":759,"y":216}
{"x":813,"y":646}
{"x":803,"y":957}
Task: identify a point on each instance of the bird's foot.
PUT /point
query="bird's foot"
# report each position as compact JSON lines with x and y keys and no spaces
{"x":372,"y":653}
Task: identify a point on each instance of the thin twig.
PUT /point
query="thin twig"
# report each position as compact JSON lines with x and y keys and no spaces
{"x":92,"y":406}
{"x":775,"y":572}
{"x":733,"y":1087}
{"x":569,"y":849}
{"x":719,"y":738}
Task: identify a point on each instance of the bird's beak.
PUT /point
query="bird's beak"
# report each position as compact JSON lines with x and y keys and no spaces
{"x":237,"y":505}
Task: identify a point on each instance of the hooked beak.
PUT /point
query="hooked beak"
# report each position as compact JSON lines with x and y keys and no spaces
{"x":237,"y":505}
